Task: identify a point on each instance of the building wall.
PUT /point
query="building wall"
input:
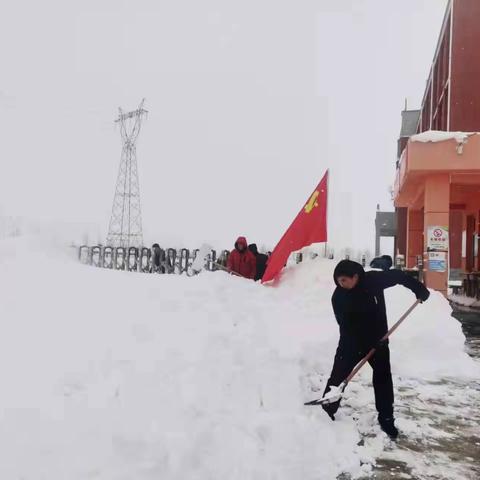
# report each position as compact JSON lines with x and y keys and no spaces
{"x":452,"y":96}
{"x":415,"y":235}
{"x":434,"y":111}
{"x":465,"y":93}
{"x":440,"y":82}
{"x":439,"y":183}
{"x":401,"y":237}
{"x":455,"y":233}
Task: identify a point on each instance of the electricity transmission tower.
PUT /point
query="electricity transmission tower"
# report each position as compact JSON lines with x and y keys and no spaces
{"x":125,"y":228}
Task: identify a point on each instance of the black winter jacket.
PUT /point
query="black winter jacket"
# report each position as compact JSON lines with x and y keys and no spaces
{"x":361,"y":312}
{"x":261,"y":261}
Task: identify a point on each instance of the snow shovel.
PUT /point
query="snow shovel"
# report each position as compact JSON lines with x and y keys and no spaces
{"x":335,"y":393}
{"x":201,"y":257}
{"x":225,"y":269}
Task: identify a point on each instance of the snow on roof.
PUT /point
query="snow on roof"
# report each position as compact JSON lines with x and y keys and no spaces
{"x":439,"y":136}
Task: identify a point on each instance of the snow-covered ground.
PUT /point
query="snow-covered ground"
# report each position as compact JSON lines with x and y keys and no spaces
{"x":464,"y":301}
{"x":119,"y":376}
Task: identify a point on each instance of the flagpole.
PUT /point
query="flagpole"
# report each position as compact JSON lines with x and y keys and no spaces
{"x":328,"y":204}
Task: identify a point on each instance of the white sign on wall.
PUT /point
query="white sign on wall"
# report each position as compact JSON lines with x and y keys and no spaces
{"x":437,"y":261}
{"x":437,"y":239}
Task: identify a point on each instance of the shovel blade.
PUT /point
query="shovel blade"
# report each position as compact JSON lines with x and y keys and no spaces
{"x":334,"y":395}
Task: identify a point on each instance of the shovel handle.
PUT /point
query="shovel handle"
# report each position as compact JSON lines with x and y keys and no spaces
{"x":365,"y":359}
{"x":370,"y":354}
{"x":225,"y":269}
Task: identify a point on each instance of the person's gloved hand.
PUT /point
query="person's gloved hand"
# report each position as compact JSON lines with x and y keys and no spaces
{"x":423,"y":294}
{"x":330,"y":408}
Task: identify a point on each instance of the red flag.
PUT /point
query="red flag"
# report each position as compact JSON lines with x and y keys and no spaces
{"x":310,"y":226}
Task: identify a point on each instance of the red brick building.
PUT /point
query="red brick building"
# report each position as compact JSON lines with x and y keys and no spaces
{"x":452,"y":97}
{"x":438,"y":183}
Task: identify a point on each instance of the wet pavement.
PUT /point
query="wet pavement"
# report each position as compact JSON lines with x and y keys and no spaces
{"x":471,"y":328}
{"x":439,"y":424}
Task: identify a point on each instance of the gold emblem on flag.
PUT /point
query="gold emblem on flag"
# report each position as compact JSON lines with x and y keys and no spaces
{"x":312,"y":203}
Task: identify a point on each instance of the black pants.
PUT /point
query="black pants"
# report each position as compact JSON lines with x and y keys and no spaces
{"x":344,"y":363}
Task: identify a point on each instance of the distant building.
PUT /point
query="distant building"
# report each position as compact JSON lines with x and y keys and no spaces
{"x":410,"y":120}
{"x":437,"y":186}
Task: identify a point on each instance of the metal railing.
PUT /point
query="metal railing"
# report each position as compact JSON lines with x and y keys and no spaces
{"x":168,"y":261}
{"x":470,"y":286}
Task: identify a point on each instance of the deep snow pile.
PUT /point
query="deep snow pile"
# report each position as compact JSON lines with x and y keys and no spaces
{"x":115,"y":375}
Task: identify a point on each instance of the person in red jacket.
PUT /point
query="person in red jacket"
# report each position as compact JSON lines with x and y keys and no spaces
{"x":241,"y":260}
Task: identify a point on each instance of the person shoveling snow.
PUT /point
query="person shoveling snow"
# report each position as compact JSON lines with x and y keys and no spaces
{"x":359,"y":306}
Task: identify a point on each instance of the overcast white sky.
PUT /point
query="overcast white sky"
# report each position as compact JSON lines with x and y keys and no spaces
{"x":249,"y":103}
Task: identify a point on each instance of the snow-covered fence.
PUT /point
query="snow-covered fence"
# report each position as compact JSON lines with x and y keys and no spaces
{"x":145,"y":259}
{"x":170,"y":261}
{"x":155,"y":260}
{"x":108,"y":257}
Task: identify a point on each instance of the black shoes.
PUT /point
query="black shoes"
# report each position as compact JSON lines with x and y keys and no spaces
{"x":387,"y":424}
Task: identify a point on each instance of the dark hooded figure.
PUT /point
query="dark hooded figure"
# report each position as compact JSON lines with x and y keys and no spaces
{"x":384,"y":262}
{"x":261,"y":259}
{"x":359,"y":306}
{"x":241,"y":260}
{"x":156,"y":257}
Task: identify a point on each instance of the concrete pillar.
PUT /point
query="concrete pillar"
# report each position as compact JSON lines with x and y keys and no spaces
{"x":401,"y":237}
{"x":472,"y":208}
{"x":455,"y":232}
{"x":414,"y":236}
{"x":436,"y":213}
